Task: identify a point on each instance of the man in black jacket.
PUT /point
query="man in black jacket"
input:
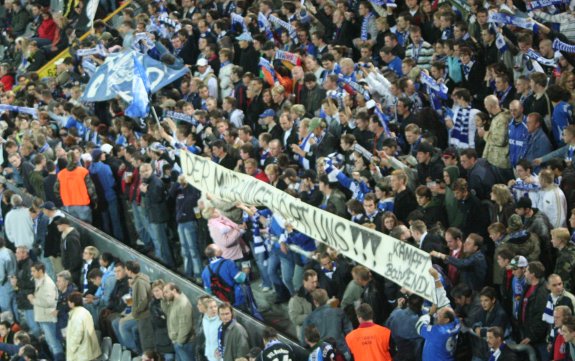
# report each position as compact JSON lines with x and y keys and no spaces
{"x":495,"y":342}
{"x":532,"y":327}
{"x":23,"y":284}
{"x":186,"y":198}
{"x":65,"y":287}
{"x":248,"y":56}
{"x":156,"y":210}
{"x":70,"y":249}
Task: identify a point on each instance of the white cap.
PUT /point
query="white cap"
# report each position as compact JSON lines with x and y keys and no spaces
{"x":202,"y":62}
{"x":106,"y":148}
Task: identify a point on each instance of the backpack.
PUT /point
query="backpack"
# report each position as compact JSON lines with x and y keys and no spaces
{"x":219,"y":287}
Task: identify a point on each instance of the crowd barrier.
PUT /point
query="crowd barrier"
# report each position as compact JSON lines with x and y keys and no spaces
{"x":155,"y":271}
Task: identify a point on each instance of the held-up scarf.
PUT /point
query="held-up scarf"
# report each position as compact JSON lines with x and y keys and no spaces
{"x":532,"y":54}
{"x":548,"y":312}
{"x":365,"y":25}
{"x":460,"y":130}
{"x":383,"y":119}
{"x":561,"y":46}
{"x":355,"y":86}
{"x":264,"y":25}
{"x":284,"y":24}
{"x":26,"y":110}
{"x":501,"y":18}
{"x":287,"y":56}
{"x":439,"y":88}
{"x":238,"y":19}
{"x":538,"y":4}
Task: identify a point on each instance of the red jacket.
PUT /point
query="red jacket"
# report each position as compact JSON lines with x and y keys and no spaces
{"x":47,"y":30}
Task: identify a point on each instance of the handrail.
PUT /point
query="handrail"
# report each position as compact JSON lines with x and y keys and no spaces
{"x":49,"y":69}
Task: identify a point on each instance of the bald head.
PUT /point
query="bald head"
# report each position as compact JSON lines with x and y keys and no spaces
{"x":492,"y":104}
{"x":212,"y":251}
{"x":516,"y":110}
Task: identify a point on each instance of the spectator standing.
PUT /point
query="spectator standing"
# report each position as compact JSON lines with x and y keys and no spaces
{"x":23,"y":285}
{"x":45,"y":300}
{"x":369,"y":341}
{"x":232,"y":337}
{"x":70,"y":249}
{"x":501,"y":351}
{"x":75,"y":189}
{"x":65,"y":288}
{"x":533,"y":329}
{"x":210,"y":325}
{"x":141,"y":293}
{"x":402,"y":323}
{"x":301,"y":304}
{"x":8,"y":269}
{"x":81,"y":339}
{"x":178,"y":310}
{"x":156,"y":210}
{"x":19,"y":225}
{"x":274,"y":348}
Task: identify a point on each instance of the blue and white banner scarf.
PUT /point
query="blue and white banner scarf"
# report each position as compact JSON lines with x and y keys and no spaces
{"x":538,"y":4}
{"x":238,"y":19}
{"x":284,"y":24}
{"x":460,"y":130}
{"x":264,"y":63}
{"x":388,"y":3}
{"x":355,"y":86}
{"x":561,"y":46}
{"x":145,"y":37}
{"x":500,"y":42}
{"x":26,"y":110}
{"x":383,"y":119}
{"x":500,"y":18}
{"x":532,"y":54}
{"x":548,"y":312}
{"x":365,"y":25}
{"x":439,"y":88}
{"x":97,"y":50}
{"x":287,"y":56}
{"x":264,"y":26}
{"x":179,"y":116}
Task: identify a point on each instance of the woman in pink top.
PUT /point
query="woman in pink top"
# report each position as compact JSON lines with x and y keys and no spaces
{"x":225,"y":233}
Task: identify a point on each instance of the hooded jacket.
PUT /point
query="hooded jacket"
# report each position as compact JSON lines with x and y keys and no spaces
{"x":454,"y":217}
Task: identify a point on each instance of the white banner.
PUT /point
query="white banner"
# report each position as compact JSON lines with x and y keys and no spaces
{"x":395,"y":260}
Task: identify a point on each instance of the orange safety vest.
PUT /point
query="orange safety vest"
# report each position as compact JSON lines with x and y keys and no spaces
{"x":369,"y":342}
{"x":73,"y":189}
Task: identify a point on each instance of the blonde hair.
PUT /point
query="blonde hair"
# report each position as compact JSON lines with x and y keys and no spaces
{"x":93,"y":251}
{"x":502,"y":194}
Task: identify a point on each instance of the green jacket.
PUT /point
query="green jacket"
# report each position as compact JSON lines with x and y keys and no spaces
{"x":179,"y":319}
{"x":141,"y":292}
{"x":19,"y":21}
{"x":235,"y":342}
{"x":454,"y":217}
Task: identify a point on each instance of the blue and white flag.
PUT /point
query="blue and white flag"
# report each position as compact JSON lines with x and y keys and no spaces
{"x":284,"y":24}
{"x":115,"y":76}
{"x":500,"y":18}
{"x":500,"y":43}
{"x":140,"y":105}
{"x":180,"y":116}
{"x":539,"y":4}
{"x":532,"y":54}
{"x":561,"y":46}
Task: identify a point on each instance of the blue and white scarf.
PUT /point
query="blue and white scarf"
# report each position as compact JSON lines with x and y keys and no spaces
{"x":500,"y":18}
{"x":387,"y":3}
{"x":538,"y":4}
{"x":548,"y":312}
{"x":561,"y":46}
{"x":532,"y":54}
{"x":238,"y":19}
{"x":496,"y":353}
{"x":365,"y":25}
{"x":284,"y":24}
{"x":432,"y":85}
{"x":383,"y":119}
{"x":264,"y":26}
{"x":460,"y":130}
{"x":354,"y":85}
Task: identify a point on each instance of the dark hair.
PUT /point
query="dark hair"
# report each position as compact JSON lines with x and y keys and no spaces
{"x":76,"y":299}
{"x":133,"y":266}
{"x":537,"y":269}
{"x":488,"y":292}
{"x":269,"y":333}
{"x":309,"y":273}
{"x":505,"y":253}
{"x":496,"y":331}
{"x":39,"y":266}
{"x":469,"y":153}
{"x":95,"y":273}
{"x":311,"y":334}
{"x":461,"y":290}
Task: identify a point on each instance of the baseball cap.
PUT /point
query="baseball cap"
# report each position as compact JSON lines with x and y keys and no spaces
{"x":48,"y":206}
{"x":245,"y":37}
{"x":61,"y":220}
{"x":202,"y":62}
{"x":96,"y":153}
{"x":268,"y":113}
{"x":518,"y":262}
{"x":449,"y":152}
{"x":314,"y":123}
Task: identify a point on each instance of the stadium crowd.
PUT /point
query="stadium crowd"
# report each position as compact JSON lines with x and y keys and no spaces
{"x":447,"y":125}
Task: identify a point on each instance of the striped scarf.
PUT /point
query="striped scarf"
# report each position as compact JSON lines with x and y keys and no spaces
{"x":548,"y":312}
{"x":460,"y":131}
{"x":365,"y":25}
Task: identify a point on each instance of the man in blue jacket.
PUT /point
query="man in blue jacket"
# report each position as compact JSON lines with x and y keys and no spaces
{"x":518,"y":133}
{"x":538,"y":143}
{"x":104,"y":181}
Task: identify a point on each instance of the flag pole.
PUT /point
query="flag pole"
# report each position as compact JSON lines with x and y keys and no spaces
{"x":154,"y":114}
